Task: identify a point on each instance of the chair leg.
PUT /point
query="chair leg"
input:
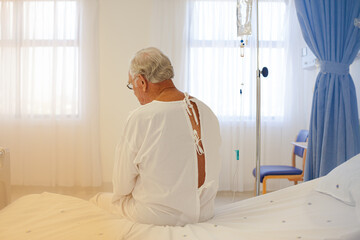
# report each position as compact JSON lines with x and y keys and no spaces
{"x":264,"y":186}
{"x":255,"y":188}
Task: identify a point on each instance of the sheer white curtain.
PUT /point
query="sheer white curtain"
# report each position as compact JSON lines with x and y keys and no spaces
{"x":213,"y":71}
{"x":49,"y":91}
{"x":170,"y":32}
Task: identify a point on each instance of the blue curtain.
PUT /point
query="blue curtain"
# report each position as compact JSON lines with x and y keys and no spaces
{"x":329,"y":29}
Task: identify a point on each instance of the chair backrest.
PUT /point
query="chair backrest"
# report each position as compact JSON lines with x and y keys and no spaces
{"x":301,"y":137}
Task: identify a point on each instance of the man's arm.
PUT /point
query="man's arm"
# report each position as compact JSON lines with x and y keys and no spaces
{"x":125,"y":171}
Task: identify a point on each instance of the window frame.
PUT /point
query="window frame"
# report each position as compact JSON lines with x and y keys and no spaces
{"x":235,"y":43}
{"x":18,"y":41}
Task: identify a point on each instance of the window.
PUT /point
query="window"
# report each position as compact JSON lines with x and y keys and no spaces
{"x":39,"y":58}
{"x":216,"y":72}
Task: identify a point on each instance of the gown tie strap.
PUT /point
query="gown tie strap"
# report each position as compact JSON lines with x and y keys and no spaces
{"x":197,"y":141}
{"x":190,"y":106}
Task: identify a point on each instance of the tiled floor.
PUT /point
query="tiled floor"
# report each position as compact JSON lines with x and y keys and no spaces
{"x":223,"y":197}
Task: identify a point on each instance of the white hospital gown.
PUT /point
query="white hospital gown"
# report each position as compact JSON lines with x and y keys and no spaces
{"x":156,"y":175}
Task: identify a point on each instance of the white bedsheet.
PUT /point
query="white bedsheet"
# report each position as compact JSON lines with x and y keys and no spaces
{"x":296,"y":212}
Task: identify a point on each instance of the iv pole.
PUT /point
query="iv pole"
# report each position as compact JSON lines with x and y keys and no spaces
{"x":265,"y":73}
{"x":258,"y":105}
{"x":245,"y":29}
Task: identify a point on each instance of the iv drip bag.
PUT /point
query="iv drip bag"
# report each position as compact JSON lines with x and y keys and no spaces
{"x":243,"y":13}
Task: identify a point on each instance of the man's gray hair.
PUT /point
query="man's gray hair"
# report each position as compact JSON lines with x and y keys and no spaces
{"x":152,"y":64}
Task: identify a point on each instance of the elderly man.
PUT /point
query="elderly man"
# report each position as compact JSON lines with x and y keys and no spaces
{"x":167,"y":163}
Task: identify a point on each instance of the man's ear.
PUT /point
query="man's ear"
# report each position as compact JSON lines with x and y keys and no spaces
{"x":143,"y":83}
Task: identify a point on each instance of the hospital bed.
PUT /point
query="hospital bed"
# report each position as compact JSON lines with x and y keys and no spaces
{"x":325,"y":208}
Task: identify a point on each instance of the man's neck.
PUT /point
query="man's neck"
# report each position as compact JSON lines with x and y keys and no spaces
{"x":166,"y":91}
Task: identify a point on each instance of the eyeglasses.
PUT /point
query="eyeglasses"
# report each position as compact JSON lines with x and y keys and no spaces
{"x":130,"y":86}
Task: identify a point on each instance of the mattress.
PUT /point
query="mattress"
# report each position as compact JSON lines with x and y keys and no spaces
{"x":297,"y":212}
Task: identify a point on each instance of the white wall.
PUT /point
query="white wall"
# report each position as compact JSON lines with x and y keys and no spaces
{"x":124,"y":28}
{"x":355,"y":74}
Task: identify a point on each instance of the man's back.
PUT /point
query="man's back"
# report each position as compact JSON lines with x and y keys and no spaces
{"x":158,"y":163}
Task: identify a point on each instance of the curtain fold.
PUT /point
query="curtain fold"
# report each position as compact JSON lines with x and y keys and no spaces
{"x":329,"y":29}
{"x":49,"y":116}
{"x":170,"y":34}
{"x":210,"y":68}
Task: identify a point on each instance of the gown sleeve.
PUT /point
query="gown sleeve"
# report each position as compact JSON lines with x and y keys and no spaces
{"x":125,"y":170}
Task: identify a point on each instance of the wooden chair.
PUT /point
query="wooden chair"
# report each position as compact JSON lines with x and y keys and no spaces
{"x":284,"y":171}
{"x":4,"y":177}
